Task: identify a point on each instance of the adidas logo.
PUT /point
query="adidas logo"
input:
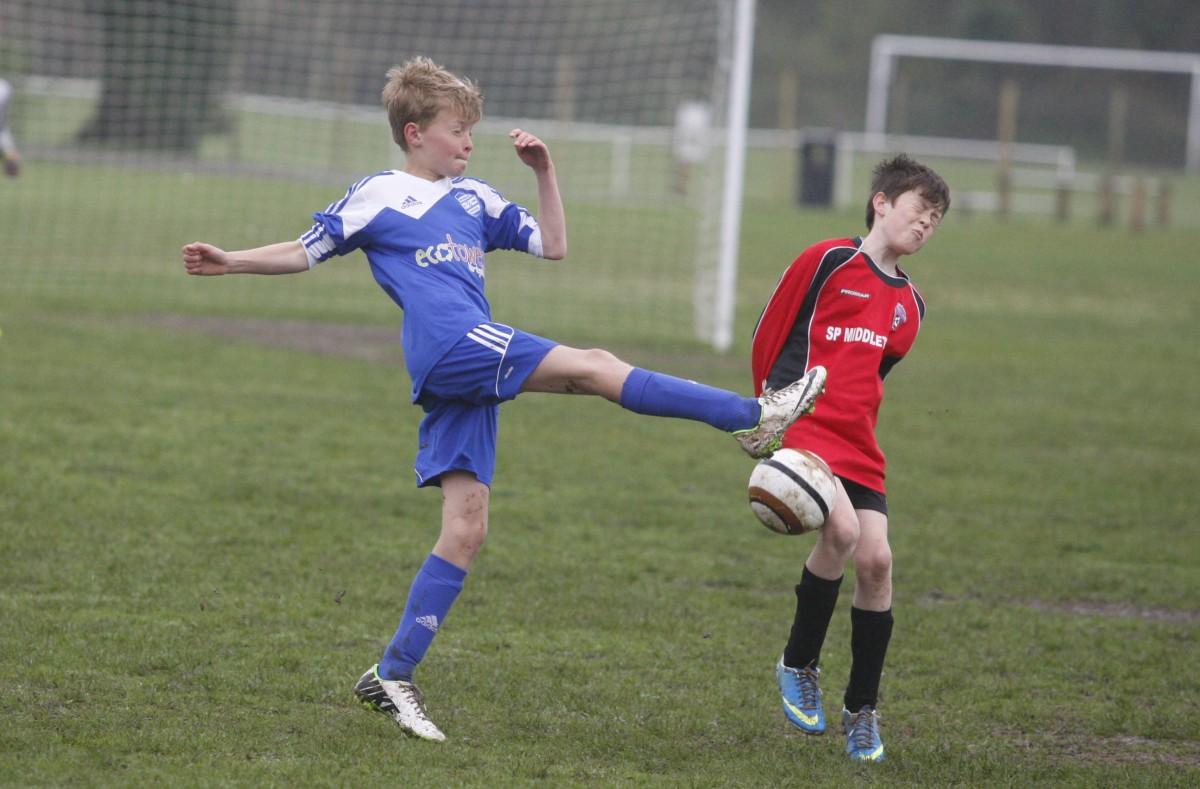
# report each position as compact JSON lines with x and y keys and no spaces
{"x":409,"y":202}
{"x":429,"y":622}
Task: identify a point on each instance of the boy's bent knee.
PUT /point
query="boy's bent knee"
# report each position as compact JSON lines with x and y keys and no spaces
{"x":841,"y":535}
{"x":599,"y":361}
{"x":874,"y":568}
{"x":464,"y":517}
{"x":462,"y":537}
{"x":567,"y":370}
{"x":596,"y":371}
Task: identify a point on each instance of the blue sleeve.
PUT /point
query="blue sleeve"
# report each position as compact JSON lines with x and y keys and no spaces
{"x":505,"y":225}
{"x":513,"y":229}
{"x":342,"y":227}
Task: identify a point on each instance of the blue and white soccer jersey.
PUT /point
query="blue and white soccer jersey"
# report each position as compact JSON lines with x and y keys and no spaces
{"x":425,"y":242}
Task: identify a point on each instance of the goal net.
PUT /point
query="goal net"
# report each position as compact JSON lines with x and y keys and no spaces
{"x":146,"y":124}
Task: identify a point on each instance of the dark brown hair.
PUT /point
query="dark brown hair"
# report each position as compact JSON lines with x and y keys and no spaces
{"x":901,"y":174}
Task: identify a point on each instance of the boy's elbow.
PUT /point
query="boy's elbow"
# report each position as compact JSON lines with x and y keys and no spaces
{"x":554,"y":247}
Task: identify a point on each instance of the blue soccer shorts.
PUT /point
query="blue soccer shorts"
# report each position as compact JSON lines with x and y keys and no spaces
{"x":462,"y":395}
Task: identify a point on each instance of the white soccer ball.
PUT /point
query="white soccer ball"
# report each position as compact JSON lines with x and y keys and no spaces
{"x":792,"y":491}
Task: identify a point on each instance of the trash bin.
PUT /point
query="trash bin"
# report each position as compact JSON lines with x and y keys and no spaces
{"x":817,"y":154}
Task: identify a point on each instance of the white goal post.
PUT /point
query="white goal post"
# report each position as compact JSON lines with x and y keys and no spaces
{"x":886,"y":49}
{"x":735,"y":165}
{"x":233,"y":121}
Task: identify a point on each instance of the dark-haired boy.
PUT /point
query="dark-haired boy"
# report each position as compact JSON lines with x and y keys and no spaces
{"x":846,"y":305}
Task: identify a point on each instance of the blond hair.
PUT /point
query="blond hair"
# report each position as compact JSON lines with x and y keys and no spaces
{"x":419,"y":89}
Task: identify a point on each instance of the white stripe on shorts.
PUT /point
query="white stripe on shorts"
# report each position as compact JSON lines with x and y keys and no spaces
{"x":490,"y":336}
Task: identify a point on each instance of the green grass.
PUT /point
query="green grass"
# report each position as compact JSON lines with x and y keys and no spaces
{"x":206,"y":540}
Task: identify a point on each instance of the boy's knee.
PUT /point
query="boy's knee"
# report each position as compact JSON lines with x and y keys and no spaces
{"x":463,"y":535}
{"x":840,"y":534}
{"x":874,"y":568}
{"x":598,"y":360}
{"x":464,"y":513}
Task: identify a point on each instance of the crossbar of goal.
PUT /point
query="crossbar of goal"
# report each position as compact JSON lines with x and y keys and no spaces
{"x":885,"y":49}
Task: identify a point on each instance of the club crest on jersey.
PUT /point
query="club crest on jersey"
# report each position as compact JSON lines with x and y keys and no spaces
{"x":469,"y":202}
{"x":899,"y":318}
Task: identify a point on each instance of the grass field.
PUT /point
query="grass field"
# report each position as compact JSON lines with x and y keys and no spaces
{"x":206,"y":539}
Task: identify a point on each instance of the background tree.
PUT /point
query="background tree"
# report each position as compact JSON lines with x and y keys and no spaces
{"x":163,"y":72}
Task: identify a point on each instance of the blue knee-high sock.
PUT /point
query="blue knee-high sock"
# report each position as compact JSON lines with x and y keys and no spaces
{"x":658,"y":394}
{"x":433,"y":592}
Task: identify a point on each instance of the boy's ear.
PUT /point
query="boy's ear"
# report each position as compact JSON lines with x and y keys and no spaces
{"x":412,"y":133}
{"x":879,"y":200}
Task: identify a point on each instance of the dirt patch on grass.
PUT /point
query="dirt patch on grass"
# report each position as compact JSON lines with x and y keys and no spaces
{"x":1116,"y":750}
{"x":369,"y":343}
{"x":1112,"y":610}
{"x":1117,"y":610}
{"x":1127,"y":750}
{"x":382,"y":343}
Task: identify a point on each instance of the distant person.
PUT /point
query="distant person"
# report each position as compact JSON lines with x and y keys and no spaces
{"x":425,"y":230}
{"x":845,"y":304}
{"x":8,"y":146}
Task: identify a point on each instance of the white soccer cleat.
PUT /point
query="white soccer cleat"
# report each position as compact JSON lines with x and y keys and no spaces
{"x":399,"y":700}
{"x":780,"y":410}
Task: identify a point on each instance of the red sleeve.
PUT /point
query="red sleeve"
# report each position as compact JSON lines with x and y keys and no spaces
{"x":775,"y":323}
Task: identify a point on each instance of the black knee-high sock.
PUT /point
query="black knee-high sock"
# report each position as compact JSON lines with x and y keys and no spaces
{"x":870,"y":632}
{"x":815,"y":600}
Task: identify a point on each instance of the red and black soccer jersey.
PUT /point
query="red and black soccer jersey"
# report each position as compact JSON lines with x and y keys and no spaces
{"x":835,"y":307}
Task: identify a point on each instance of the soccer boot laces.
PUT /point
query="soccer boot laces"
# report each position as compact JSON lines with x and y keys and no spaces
{"x":800,"y":691}
{"x":780,"y":410}
{"x":399,"y":700}
{"x":862,"y":735}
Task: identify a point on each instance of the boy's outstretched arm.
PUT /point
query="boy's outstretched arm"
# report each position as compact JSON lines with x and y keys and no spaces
{"x":550,"y":215}
{"x":205,"y":260}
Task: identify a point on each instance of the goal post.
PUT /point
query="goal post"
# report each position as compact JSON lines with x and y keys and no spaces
{"x":231,"y":121}
{"x":888,"y":48}
{"x":734,"y":173}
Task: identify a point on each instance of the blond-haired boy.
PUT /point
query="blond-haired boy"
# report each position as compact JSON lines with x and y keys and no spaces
{"x":425,"y":230}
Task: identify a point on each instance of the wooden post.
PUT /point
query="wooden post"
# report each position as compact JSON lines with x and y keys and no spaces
{"x":1164,"y":203}
{"x":1137,"y":206}
{"x":1062,"y":199}
{"x":789,"y":89}
{"x":1118,"y":109}
{"x":1106,"y":199}
{"x":1006,"y":134}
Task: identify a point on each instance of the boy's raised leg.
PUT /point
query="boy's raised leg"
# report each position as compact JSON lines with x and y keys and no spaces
{"x":757,"y":424}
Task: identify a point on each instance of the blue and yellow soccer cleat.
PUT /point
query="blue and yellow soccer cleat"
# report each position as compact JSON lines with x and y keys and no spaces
{"x":801,"y":697}
{"x":862,"y":735}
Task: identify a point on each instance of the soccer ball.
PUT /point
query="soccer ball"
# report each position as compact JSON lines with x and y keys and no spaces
{"x":792,"y":491}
